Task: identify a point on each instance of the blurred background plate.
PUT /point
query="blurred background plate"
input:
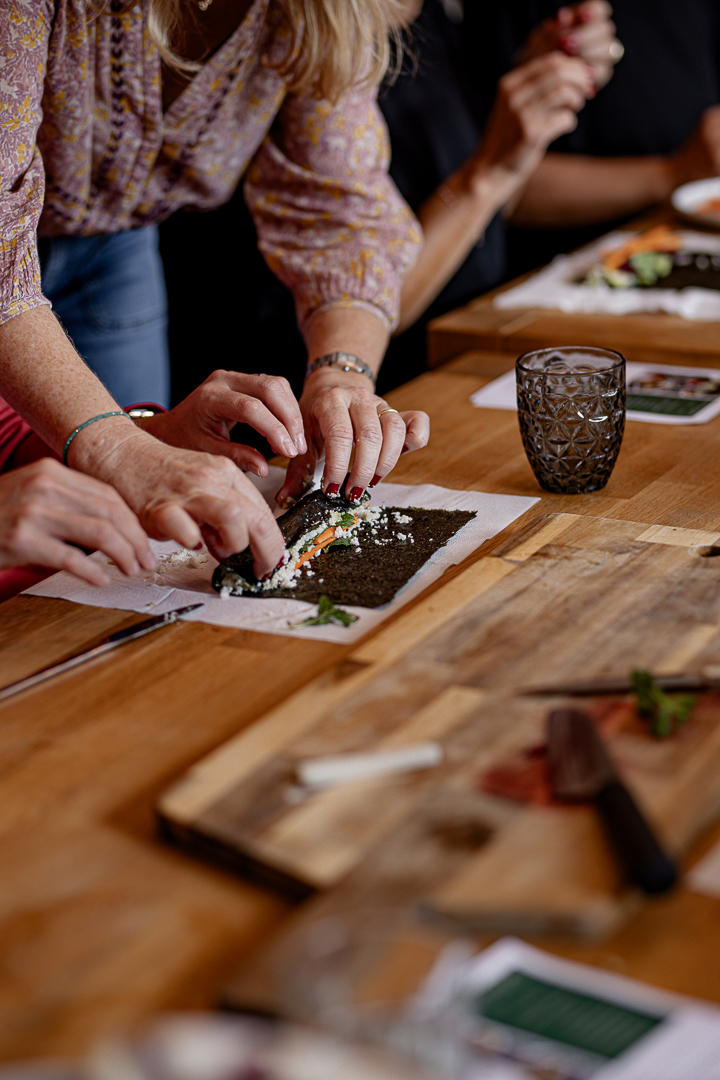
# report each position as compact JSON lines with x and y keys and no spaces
{"x":689,"y":199}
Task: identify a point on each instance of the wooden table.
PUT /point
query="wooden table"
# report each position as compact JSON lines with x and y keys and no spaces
{"x":643,"y":337}
{"x":100,"y":922}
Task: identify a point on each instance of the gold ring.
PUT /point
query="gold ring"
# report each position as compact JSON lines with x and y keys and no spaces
{"x":384,"y":411}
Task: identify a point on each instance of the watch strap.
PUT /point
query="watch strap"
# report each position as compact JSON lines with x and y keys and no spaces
{"x":346,"y":361}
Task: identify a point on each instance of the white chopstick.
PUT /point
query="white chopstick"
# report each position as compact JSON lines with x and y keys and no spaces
{"x":323,"y":772}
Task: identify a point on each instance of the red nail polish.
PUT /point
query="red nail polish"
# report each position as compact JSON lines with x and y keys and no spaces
{"x":405,"y":449}
{"x":332,"y":489}
{"x":198,"y":546}
{"x":271,"y":572}
{"x":356,"y":494}
{"x":375,"y":481}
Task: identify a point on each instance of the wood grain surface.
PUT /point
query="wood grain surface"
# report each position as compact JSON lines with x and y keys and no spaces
{"x":566,"y":597}
{"x":100,"y":921}
{"x":645,"y":337}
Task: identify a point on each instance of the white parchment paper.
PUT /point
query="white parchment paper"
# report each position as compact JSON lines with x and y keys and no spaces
{"x":157,"y":593}
{"x":501,"y":393}
{"x":555,"y":286}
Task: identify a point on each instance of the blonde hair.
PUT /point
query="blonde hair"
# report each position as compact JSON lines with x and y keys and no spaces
{"x":332,"y":44}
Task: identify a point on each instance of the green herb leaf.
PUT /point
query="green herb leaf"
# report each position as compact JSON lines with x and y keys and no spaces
{"x":664,"y":712}
{"x":342,"y":541}
{"x":346,"y":520}
{"x":327,"y":613}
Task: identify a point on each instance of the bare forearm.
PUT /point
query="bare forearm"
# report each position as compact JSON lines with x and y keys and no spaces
{"x":453,"y":219}
{"x":352,"y":330}
{"x":574,"y":189}
{"x":45,"y":380}
{"x":535,"y":103}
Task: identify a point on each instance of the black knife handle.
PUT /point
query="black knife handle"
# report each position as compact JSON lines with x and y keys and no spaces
{"x":644,"y":861}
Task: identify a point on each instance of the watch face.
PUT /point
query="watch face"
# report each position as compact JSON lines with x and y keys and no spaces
{"x":137,"y":414}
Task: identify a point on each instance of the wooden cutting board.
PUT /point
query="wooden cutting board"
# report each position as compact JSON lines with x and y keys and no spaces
{"x":567,"y":598}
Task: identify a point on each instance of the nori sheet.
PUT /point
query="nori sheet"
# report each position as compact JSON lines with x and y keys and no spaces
{"x":368,"y":576}
{"x":684,"y":275}
{"x":689,"y":277}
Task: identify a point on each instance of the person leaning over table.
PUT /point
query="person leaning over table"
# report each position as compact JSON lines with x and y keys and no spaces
{"x":457,"y":173}
{"x":654,"y":127}
{"x":462,"y":165}
{"x":103,"y":135}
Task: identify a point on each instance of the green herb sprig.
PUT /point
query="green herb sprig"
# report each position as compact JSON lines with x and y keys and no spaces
{"x":665,"y":713}
{"x":327,"y":613}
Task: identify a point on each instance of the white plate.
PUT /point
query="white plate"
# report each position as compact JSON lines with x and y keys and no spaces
{"x":689,"y":197}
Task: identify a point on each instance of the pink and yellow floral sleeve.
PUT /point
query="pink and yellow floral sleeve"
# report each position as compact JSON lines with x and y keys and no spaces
{"x":330,"y":221}
{"x":24,"y":32}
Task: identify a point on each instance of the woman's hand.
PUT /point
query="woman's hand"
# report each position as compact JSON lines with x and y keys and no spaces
{"x":46,"y":508}
{"x":340,"y":411}
{"x":584,"y":30}
{"x":205,"y":419}
{"x":535,"y":103}
{"x":183,"y":495}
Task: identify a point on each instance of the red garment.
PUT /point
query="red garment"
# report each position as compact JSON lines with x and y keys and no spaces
{"x":19,"y":445}
{"x":13,"y":431}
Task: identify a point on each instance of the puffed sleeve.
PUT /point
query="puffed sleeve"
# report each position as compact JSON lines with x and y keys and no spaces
{"x":331,"y":224}
{"x":24,"y":33}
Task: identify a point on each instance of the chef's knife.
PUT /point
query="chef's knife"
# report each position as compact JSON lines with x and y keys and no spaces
{"x":706,"y":679}
{"x":580,"y":769}
{"x":108,"y":643}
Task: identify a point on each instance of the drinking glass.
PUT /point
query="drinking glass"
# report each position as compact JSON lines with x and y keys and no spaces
{"x":571,"y":408}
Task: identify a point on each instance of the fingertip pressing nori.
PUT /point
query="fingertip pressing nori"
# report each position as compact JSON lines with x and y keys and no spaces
{"x":370,"y":575}
{"x":309,"y":511}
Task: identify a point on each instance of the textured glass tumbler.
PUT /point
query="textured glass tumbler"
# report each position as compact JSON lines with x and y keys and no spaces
{"x":571,"y":408}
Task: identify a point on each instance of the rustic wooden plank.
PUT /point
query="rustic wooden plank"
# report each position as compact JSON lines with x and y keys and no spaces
{"x":579,"y":596}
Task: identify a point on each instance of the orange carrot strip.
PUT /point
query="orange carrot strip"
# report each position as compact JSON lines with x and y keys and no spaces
{"x":320,"y":541}
{"x":660,"y":238}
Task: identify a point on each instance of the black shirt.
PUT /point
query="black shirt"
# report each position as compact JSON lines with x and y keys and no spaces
{"x":434,"y":128}
{"x":669,"y":75}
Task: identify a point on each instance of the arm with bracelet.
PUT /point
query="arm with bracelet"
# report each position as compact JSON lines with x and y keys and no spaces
{"x":346,"y":293}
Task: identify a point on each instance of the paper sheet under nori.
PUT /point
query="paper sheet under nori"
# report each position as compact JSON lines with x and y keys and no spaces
{"x":370,"y":575}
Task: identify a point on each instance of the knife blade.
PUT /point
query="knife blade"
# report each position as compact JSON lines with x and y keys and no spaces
{"x":581,"y":769}
{"x":706,"y":679}
{"x":129,"y":633}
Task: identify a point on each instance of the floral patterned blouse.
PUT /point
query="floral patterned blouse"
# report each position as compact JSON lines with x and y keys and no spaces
{"x":86,"y":149}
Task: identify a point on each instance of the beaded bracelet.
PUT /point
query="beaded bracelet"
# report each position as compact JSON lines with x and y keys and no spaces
{"x":71,"y":436}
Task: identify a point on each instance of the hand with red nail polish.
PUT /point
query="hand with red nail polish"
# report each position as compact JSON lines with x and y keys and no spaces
{"x":584,"y":30}
{"x":357,"y":431}
{"x":535,"y":103}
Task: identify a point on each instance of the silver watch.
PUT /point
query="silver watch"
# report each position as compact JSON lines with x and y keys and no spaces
{"x":345,"y":360}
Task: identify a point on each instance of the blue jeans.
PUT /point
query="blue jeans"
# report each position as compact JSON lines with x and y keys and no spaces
{"x":109,"y":294}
